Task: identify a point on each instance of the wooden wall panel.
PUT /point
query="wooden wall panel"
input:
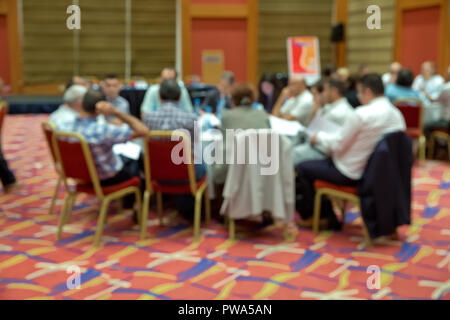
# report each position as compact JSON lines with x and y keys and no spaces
{"x":102,"y":38}
{"x":49,"y":47}
{"x":153,"y":36}
{"x":47,"y":43}
{"x":374,"y":47}
{"x":280,"y":19}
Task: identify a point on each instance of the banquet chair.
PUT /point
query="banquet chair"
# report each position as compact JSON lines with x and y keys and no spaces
{"x":73,"y":154}
{"x":48,"y":130}
{"x":163,"y":176}
{"x":346,"y":194}
{"x":412,"y":111}
{"x":438,"y":134}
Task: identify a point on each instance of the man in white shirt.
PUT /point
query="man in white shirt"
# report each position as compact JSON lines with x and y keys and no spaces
{"x":151,"y":100}
{"x":72,"y":105}
{"x":429,"y":83}
{"x":295,"y":103}
{"x":330,"y":105}
{"x":350,"y":149}
{"x":391,"y":76}
{"x":444,"y":102}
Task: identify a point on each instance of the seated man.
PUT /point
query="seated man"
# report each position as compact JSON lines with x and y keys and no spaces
{"x":111,"y":87}
{"x":444,"y":101}
{"x":429,"y":83}
{"x":402,"y":88}
{"x":152,"y":102}
{"x":350,"y":150}
{"x":72,"y":105}
{"x":170,"y":117}
{"x":7,"y":177}
{"x":295,"y":102}
{"x":101,"y":137}
{"x":222,"y":94}
{"x":331,"y":105}
{"x":391,"y":76}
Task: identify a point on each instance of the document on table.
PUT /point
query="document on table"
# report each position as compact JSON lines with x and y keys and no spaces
{"x":321,"y":124}
{"x":285,"y":127}
{"x":130,"y":150}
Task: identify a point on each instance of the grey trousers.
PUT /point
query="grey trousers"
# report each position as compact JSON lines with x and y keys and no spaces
{"x":305,"y":152}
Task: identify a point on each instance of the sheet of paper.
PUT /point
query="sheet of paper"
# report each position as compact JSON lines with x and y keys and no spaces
{"x":130,"y":150}
{"x":322,"y":124}
{"x":285,"y":127}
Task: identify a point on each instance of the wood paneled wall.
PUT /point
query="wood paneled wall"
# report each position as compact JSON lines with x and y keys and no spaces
{"x":48,"y":46}
{"x":153,"y":36}
{"x":280,"y":19}
{"x":374,"y":47}
{"x":47,"y":43}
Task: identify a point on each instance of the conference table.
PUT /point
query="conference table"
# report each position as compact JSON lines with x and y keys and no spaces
{"x":135,"y":96}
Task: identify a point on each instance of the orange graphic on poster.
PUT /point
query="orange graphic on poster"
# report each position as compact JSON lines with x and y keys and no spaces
{"x":304,"y":56}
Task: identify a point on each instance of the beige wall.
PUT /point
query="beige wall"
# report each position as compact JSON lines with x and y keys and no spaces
{"x":48,"y":49}
{"x":374,"y":47}
{"x":280,"y":19}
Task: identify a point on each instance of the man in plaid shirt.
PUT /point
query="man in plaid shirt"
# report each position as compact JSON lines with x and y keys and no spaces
{"x":170,"y":117}
{"x":102,"y":136}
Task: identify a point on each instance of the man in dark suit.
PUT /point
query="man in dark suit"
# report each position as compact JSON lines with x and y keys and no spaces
{"x":220,"y":94}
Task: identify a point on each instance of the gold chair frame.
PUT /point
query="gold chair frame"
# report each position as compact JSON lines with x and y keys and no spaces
{"x":71,"y":194}
{"x":197,"y":193}
{"x":346,"y":197}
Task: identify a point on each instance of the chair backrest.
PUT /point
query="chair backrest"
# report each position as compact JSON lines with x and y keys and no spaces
{"x":74,"y":156}
{"x":167,"y":160}
{"x":48,"y":130}
{"x":412,"y":112}
{"x":3,"y":112}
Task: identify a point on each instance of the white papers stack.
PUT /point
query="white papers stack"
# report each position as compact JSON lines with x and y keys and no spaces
{"x":130,"y":150}
{"x":321,"y":124}
{"x":285,"y":127}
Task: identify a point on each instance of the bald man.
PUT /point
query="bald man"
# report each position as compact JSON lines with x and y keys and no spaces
{"x":296,"y":103}
{"x":391,"y":76}
{"x":428,"y":82}
{"x":151,"y":100}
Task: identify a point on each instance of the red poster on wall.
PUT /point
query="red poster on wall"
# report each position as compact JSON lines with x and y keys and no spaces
{"x":304,"y":58}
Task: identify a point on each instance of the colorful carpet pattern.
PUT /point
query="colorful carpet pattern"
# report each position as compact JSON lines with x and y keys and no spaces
{"x":259,"y":265}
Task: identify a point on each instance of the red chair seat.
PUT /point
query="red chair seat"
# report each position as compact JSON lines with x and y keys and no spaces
{"x":175,"y":189}
{"x":89,"y":189}
{"x":326,"y":185}
{"x":414,"y":133}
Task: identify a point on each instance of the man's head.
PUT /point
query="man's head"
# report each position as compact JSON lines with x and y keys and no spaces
{"x":363,"y":69}
{"x":343,"y":74}
{"x":317,"y":91}
{"x":90,"y":100}
{"x":405,"y":78}
{"x":334,"y":90}
{"x":297,"y":85}
{"x":370,"y":87}
{"x":169,"y":91}
{"x":168,"y":74}
{"x":394,"y":70}
{"x":226,"y":82}
{"x":77,"y":80}
{"x":111,"y":86}
{"x":428,"y":69}
{"x":73,"y":97}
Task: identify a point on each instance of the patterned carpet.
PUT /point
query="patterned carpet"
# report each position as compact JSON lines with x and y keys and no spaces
{"x":168,"y":266}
